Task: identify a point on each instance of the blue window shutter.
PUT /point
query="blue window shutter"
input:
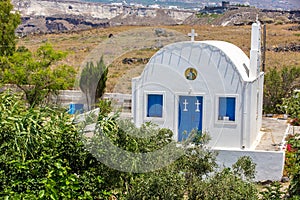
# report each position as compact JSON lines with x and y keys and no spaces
{"x":155,"y":105}
{"x":230,"y":110}
{"x":227,"y":108}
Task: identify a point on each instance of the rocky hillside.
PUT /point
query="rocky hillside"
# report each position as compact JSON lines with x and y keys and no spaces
{"x":244,"y":16}
{"x":50,"y":16}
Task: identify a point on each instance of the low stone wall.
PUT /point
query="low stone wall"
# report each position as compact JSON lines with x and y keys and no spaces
{"x":120,"y":101}
{"x":67,"y":97}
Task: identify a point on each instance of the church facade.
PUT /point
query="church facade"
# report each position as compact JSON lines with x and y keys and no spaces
{"x":210,"y":86}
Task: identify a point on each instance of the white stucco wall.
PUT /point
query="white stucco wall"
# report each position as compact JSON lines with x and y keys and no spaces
{"x":253,"y":112}
{"x":269,"y":164}
{"x":260,"y":102}
{"x":220,"y":73}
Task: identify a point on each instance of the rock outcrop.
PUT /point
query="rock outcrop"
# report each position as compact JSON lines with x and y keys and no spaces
{"x":57,"y":24}
{"x":289,"y":47}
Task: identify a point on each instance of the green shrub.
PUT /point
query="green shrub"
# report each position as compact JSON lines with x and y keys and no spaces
{"x":279,"y":84}
{"x":43,"y":157}
{"x":272,"y":191}
{"x":291,"y":105}
{"x":292,"y":165}
{"x":223,"y":185}
{"x":166,"y":183}
{"x":38,"y":74}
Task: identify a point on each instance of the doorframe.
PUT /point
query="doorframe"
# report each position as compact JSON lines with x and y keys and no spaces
{"x":176,"y":110}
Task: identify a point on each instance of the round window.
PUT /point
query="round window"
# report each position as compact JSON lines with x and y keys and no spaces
{"x":190,"y":73}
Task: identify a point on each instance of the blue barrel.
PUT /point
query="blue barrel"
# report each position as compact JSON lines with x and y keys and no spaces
{"x":75,"y":108}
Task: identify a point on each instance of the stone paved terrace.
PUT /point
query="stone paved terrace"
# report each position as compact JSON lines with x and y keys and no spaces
{"x":273,"y":133}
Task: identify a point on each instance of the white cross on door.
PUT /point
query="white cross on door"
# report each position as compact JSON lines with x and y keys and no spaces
{"x":197,"y":106}
{"x":185,"y":103}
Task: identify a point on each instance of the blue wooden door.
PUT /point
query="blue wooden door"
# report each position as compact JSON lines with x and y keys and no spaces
{"x":190,"y":115}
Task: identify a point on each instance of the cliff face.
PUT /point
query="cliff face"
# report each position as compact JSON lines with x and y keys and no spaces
{"x":54,"y":8}
{"x":47,"y":16}
{"x":91,"y":10}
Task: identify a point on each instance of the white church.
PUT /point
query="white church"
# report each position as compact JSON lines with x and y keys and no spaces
{"x":210,"y":86}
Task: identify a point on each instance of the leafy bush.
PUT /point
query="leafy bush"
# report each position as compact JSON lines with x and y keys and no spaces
{"x":42,"y":156}
{"x":244,"y":168}
{"x":37,"y":74}
{"x":166,"y":183}
{"x":279,"y":84}
{"x":272,"y":191}
{"x":291,"y":106}
{"x":175,"y":180}
{"x":194,"y":175}
{"x":292,"y":165}
{"x":224,"y":185}
{"x":178,"y":183}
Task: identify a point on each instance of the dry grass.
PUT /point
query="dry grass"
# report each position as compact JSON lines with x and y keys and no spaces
{"x":120,"y":74}
{"x":81,"y":45}
{"x":277,"y":35}
{"x":77,"y":44}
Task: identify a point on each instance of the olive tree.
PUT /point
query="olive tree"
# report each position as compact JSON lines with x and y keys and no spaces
{"x":38,"y":74}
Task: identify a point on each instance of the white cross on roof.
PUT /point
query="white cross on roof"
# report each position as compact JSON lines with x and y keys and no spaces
{"x":192,"y":35}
